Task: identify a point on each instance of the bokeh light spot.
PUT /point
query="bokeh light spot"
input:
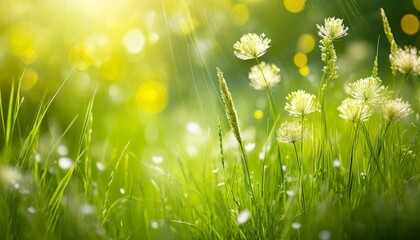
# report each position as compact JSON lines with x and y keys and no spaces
{"x":258,"y":114}
{"x":304,"y":71}
{"x":113,"y":69}
{"x":99,"y":48}
{"x":134,"y":41}
{"x":417,"y":4}
{"x":306,"y":43}
{"x":152,"y":96}
{"x":410,"y":24}
{"x":29,"y":79}
{"x":23,"y":44}
{"x":359,"y":50}
{"x":153,"y":37}
{"x":294,"y":6}
{"x":29,"y":56}
{"x":300,"y":59}
{"x":79,"y":57}
{"x":240,"y":14}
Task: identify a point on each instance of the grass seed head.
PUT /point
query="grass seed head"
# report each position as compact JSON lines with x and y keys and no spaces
{"x":329,"y":57}
{"x":230,"y":109}
{"x":264,"y":76}
{"x":251,"y":46}
{"x":391,"y":40}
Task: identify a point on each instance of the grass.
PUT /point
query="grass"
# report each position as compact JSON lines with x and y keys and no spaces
{"x":346,"y":180}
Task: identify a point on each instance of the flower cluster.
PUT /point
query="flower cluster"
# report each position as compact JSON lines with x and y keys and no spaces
{"x":332,"y":29}
{"x":355,"y":110}
{"x":300,"y":103}
{"x":292,"y":132}
{"x":251,"y":46}
{"x":369,"y":90}
{"x":406,"y":60}
{"x":369,"y":93}
{"x":396,"y":109}
{"x":264,"y":75}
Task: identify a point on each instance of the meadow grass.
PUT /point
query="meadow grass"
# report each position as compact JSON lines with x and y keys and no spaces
{"x":321,"y":176}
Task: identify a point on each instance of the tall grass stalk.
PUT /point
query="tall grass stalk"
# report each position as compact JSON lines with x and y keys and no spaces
{"x":85,"y":141}
{"x":55,"y":210}
{"x":234,"y":123}
{"x":105,"y":209}
{"x":373,"y":154}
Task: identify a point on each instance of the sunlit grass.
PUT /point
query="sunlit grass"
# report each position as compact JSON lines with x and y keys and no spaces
{"x":119,"y":126}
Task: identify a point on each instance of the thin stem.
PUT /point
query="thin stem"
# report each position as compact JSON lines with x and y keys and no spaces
{"x":402,"y":87}
{"x":373,"y":154}
{"x":301,"y":136}
{"x":301,"y":191}
{"x":350,"y":178}
{"x":246,"y":171}
{"x":381,"y":139}
{"x":273,"y":106}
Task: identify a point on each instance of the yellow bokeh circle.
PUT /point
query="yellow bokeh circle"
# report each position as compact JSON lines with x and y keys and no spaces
{"x":240,"y":14}
{"x":410,"y":24}
{"x":113,"y":69}
{"x":300,"y":59}
{"x":417,"y":4}
{"x":79,"y":57}
{"x":29,"y":79}
{"x":294,"y":6}
{"x":258,"y":114}
{"x":23,"y":44}
{"x":306,"y":43}
{"x":304,"y":71}
{"x":152,"y":96}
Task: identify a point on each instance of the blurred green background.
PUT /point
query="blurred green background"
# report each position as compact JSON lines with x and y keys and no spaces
{"x":151,"y":63}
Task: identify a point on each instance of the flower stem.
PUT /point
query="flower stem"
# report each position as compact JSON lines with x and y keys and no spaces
{"x":402,"y":87}
{"x":301,"y":190}
{"x":350,"y":179}
{"x":273,"y":106}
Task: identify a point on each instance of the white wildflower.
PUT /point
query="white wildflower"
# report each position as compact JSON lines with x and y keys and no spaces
{"x":396,"y":109}
{"x":251,"y":46}
{"x":354,"y":110}
{"x":264,"y":76}
{"x":332,"y":29}
{"x":300,"y":103}
{"x":369,"y":90}
{"x":407,"y":60}
{"x":291,"y":132}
